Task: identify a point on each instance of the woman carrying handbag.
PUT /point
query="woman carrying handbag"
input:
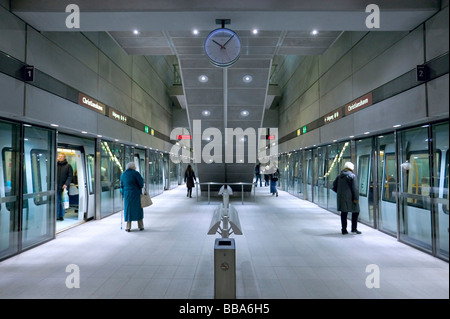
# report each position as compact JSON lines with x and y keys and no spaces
{"x":131,"y":184}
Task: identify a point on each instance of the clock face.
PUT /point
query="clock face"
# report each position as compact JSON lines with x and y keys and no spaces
{"x":223,"y":47}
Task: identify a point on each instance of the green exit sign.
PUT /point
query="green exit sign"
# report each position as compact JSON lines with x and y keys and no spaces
{"x":304,"y":129}
{"x":146,"y":129}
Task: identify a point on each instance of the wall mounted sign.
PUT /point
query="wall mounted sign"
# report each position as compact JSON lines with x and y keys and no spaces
{"x":422,"y":73}
{"x":91,"y":103}
{"x":29,"y":73}
{"x":333,"y":116}
{"x":358,"y":104}
{"x":117,"y":115}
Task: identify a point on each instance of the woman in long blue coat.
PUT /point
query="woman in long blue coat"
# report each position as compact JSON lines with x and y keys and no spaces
{"x":131,"y":183}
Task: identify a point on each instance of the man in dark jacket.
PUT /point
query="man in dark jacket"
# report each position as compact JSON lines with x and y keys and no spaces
{"x":346,"y":187}
{"x":64,"y":175}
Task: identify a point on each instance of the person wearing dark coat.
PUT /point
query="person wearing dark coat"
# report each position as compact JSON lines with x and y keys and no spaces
{"x":64,"y":175}
{"x":131,"y":183}
{"x":273,"y":181}
{"x":346,"y":187}
{"x":189,"y":178}
{"x":258,"y":175}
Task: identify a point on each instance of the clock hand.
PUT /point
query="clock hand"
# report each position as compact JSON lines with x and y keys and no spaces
{"x":221,"y":46}
{"x":228,"y":40}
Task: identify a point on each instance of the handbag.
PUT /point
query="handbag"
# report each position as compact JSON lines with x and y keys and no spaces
{"x":146,"y":200}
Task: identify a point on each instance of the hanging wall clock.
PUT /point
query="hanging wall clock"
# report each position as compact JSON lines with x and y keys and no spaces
{"x":223,"y":47}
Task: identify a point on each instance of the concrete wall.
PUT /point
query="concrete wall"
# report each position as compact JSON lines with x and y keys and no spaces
{"x":356,"y":64}
{"x":91,"y":63}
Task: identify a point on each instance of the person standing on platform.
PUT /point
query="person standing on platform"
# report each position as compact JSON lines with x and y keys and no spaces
{"x":258,"y":175}
{"x":131,"y":183}
{"x":189,"y":178}
{"x":346,"y":187}
{"x":64,"y":175}
{"x":266,"y":176}
{"x":273,"y":181}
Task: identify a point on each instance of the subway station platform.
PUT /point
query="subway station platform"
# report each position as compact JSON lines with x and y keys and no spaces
{"x":290,"y":249}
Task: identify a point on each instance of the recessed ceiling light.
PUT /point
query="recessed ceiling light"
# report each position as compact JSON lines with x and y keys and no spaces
{"x":203,"y":78}
{"x":244,"y":113}
{"x":366,"y":133}
{"x":135,"y":31}
{"x":206,"y":113}
{"x":397,"y":125}
{"x":83,"y":132}
{"x":314,"y":32}
{"x":54,"y":125}
{"x":255,"y":31}
{"x":195,"y":31}
{"x":247,"y":78}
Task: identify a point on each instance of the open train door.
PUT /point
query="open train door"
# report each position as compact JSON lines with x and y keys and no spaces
{"x":78,"y":192}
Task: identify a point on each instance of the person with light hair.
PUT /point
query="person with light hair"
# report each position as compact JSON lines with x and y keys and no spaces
{"x":131,"y":183}
{"x":346,"y":187}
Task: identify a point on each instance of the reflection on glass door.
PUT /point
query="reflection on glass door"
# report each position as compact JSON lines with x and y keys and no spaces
{"x":38,"y":213}
{"x":414,"y":200}
{"x":111,"y":168}
{"x":322,"y":190}
{"x":364,"y":174}
{"x":298,"y":174}
{"x":338,"y":154}
{"x":309,"y":174}
{"x":9,"y":189}
{"x":315,"y":195}
{"x":387,"y":183}
{"x":440,"y":188}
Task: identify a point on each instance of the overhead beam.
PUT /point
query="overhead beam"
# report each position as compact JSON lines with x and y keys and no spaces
{"x":115,"y":15}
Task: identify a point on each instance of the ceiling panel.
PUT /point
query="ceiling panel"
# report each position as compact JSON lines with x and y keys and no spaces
{"x":204,"y":96}
{"x":191,"y":78}
{"x":247,"y":97}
